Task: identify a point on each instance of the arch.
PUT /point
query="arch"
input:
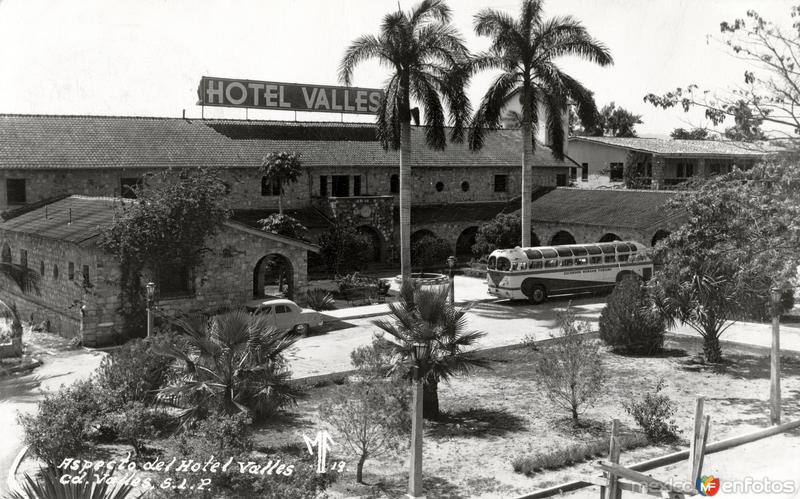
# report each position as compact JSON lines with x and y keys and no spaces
{"x":273,"y":275}
{"x":658,"y":236}
{"x":376,"y":249}
{"x":562,"y":237}
{"x":609,"y":237}
{"x":5,"y":256}
{"x":535,"y":239}
{"x":417,"y":235}
{"x":465,"y":241}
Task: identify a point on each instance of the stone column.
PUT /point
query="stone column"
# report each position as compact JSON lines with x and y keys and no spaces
{"x":658,"y":173}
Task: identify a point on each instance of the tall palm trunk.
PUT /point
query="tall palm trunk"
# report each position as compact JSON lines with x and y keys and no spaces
{"x":405,"y":199}
{"x":527,"y":181}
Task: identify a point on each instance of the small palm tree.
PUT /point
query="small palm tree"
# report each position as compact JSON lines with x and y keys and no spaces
{"x":48,"y":485}
{"x":524,"y":50}
{"x":231,"y":363}
{"x":26,"y":279}
{"x":424,"y":315}
{"x":283,"y":167}
{"x":428,"y":59}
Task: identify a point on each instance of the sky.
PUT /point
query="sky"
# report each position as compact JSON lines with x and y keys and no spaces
{"x":146,"y":57}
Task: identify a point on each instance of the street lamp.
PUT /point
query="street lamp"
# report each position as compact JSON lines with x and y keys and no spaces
{"x":419,"y":353}
{"x":151,"y":291}
{"x":451,"y":262}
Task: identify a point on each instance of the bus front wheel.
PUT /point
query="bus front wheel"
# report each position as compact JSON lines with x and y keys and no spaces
{"x":537,"y":294}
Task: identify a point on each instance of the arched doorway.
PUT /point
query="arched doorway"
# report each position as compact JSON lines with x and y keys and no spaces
{"x":6,"y":254}
{"x":535,"y":239}
{"x":464,"y":243}
{"x":376,"y":246}
{"x":610,"y":237}
{"x":658,"y":236}
{"x":562,"y":237}
{"x":273,"y":275}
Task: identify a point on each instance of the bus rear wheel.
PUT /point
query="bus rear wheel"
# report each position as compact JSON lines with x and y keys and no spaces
{"x":536,"y":294}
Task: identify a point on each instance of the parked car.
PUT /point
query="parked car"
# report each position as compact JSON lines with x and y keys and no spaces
{"x":286,"y":314}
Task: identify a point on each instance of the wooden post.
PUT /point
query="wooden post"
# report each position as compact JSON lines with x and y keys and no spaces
{"x":695,"y":443}
{"x":613,"y":457}
{"x":775,"y":360}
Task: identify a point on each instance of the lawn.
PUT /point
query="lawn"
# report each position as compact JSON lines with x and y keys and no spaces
{"x":494,"y":416}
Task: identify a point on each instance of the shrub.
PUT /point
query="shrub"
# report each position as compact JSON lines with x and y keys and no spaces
{"x":48,"y":485}
{"x":320,"y":299}
{"x":627,"y":324}
{"x":374,"y":361}
{"x":654,"y":413}
{"x":343,"y":249}
{"x":573,"y":453}
{"x":132,"y":373}
{"x":570,"y":370}
{"x":283,"y":225}
{"x":429,"y":251}
{"x":225,"y":434}
{"x":63,"y":424}
{"x":135,"y":424}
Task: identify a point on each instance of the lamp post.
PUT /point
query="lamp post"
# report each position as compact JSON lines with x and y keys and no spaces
{"x":419,"y":353}
{"x":151,"y":291}
{"x":775,"y":360}
{"x":451,"y":262}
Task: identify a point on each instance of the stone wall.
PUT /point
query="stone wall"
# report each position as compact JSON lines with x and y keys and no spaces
{"x":374,"y":213}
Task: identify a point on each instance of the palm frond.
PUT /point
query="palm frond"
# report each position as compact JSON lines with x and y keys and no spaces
{"x":363,"y":48}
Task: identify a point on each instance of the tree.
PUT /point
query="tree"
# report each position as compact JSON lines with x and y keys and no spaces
{"x":163,"y":231}
{"x":617,"y":122}
{"x":369,"y":419}
{"x":282,"y":167}
{"x":770,"y":92}
{"x":343,"y":248}
{"x":232,"y":363}
{"x":625,"y":322}
{"x":429,"y":251}
{"x":428,"y":59}
{"x":570,"y":370}
{"x":524,"y":50}
{"x":283,"y":225}
{"x":693,"y":134}
{"x":503,"y":231}
{"x":423,"y":314}
{"x":740,"y":240}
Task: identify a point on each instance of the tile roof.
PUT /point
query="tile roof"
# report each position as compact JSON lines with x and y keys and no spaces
{"x":43,"y":141}
{"x":604,"y":207}
{"x":682,"y":147}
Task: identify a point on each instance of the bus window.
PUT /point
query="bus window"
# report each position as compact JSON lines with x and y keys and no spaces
{"x":579,"y":251}
{"x":514,"y":266}
{"x":623,"y":257}
{"x":533,"y":254}
{"x":503,"y":264}
{"x":491,"y":263}
{"x":536,"y":265}
{"x":581,"y":261}
{"x":523,"y":265}
{"x":595,"y":260}
{"x":549,"y":264}
{"x":611,"y":258}
{"x":567,"y":262}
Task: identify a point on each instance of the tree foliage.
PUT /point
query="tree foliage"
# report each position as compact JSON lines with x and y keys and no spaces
{"x":570,"y":369}
{"x":503,"y":231}
{"x":429,"y":251}
{"x":165,"y":228}
{"x":770,"y":88}
{"x":611,"y":121}
{"x":626,"y":322}
{"x":282,"y":167}
{"x":343,"y":248}
{"x":693,"y":134}
{"x":283,"y":225}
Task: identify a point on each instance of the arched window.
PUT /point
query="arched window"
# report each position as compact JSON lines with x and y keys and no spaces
{"x":6,"y":254}
{"x":465,"y":186}
{"x":439,"y":186}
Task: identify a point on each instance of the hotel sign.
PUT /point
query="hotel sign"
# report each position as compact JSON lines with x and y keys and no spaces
{"x":228,"y":92}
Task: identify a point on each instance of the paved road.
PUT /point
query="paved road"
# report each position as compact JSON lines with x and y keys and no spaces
{"x":22,"y":393}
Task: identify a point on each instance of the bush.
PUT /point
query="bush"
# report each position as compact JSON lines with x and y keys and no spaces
{"x":654,"y":413}
{"x":573,"y":453}
{"x":132,"y":373}
{"x":135,"y":424}
{"x":627,"y":324}
{"x":63,"y":424}
{"x":429,"y":251}
{"x":320,"y":299}
{"x":283,"y":225}
{"x":503,"y":231}
{"x":570,"y":370}
{"x":374,"y":361}
{"x":225,"y":434}
{"x":343,"y":249}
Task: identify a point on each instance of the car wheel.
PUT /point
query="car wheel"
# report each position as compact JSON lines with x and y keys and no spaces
{"x":301,"y":329}
{"x":537,"y":294}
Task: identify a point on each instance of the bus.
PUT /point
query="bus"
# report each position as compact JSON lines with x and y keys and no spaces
{"x":539,"y":272}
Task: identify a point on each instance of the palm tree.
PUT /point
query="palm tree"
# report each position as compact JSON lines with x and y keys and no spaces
{"x":523,"y":50}
{"x":231,"y":363}
{"x":424,"y":314}
{"x":429,"y":63}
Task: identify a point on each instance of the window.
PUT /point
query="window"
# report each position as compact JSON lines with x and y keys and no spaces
{"x":594,"y":260}
{"x":649,"y":169}
{"x":55,"y":272}
{"x":282,"y":309}
{"x":567,"y":262}
{"x":500,"y":183}
{"x":561,"y":180}
{"x":573,"y":174}
{"x":41,"y":268}
{"x":71,"y":271}
{"x":622,"y":258}
{"x":536,"y":265}
{"x":323,"y":185}
{"x":490,"y":264}
{"x":86,"y":275}
{"x":584,"y":172}
{"x":174,"y":281}
{"x":465,"y":186}
{"x":439,"y":186}
{"x":684,"y":169}
{"x":503,"y":264}
{"x":356,"y":185}
{"x":549,"y":264}
{"x":581,"y":261}
{"x":270,"y":187}
{"x":340,"y":186}
{"x":129,"y":186}
{"x":615,"y":171}
{"x":15,"y":191}
{"x":23,"y":258}
{"x":6,"y":256}
{"x":394,"y":184}
{"x":611,"y":258}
